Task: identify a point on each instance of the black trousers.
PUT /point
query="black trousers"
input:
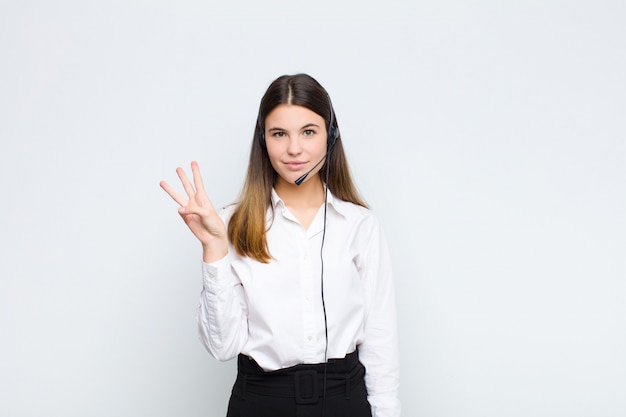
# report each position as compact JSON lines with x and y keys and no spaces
{"x":300,"y":391}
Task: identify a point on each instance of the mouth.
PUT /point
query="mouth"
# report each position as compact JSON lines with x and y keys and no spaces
{"x":294,"y":165}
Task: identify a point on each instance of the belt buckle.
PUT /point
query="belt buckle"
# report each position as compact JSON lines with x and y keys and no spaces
{"x":306,"y":394}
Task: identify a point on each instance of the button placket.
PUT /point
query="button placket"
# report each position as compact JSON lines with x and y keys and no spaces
{"x":308,"y":285}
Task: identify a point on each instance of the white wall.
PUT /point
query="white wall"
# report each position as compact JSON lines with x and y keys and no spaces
{"x":488,"y":136}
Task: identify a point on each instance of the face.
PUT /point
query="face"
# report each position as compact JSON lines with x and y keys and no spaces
{"x":296,"y":140}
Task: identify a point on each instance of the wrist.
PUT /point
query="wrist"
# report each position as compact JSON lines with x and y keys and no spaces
{"x":214,"y":252}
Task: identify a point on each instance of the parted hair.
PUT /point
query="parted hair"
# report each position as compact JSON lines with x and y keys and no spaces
{"x":248,"y":224}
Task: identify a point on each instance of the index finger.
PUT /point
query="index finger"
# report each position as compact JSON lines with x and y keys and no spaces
{"x":197,"y":177}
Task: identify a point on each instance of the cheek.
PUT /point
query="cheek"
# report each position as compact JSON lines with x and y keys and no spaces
{"x":318,"y":148}
{"x":274,"y":155}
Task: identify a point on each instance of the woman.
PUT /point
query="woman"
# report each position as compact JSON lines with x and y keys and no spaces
{"x":296,"y":276}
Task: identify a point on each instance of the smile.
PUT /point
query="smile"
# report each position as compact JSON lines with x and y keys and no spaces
{"x":294,"y":165}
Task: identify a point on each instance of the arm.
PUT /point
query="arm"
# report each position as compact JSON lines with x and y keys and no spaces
{"x":379,"y":350}
{"x":222,"y":313}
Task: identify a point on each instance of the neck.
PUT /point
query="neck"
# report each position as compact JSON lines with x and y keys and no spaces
{"x":308,"y":194}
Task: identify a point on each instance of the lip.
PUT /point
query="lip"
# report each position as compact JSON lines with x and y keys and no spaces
{"x":294,"y":165}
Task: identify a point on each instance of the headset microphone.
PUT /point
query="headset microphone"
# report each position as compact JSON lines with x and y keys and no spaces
{"x":302,"y":178}
{"x":333,"y":134}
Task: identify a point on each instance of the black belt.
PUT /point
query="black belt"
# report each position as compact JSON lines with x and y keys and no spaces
{"x":305,"y":382}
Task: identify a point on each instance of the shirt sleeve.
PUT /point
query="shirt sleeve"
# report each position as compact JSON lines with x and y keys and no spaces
{"x":379,"y":349}
{"x":222,"y":313}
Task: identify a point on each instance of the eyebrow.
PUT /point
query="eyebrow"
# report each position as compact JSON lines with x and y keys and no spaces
{"x":306,"y":126}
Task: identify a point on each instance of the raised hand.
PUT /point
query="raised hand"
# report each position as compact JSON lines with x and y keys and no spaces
{"x":199,"y":214}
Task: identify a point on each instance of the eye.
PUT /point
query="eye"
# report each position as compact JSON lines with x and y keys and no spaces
{"x":278,"y":134}
{"x":309,"y":132}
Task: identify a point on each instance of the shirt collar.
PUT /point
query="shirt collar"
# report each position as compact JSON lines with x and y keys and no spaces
{"x":337,"y":204}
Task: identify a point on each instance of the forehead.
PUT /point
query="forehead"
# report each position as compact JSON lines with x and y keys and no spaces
{"x":292,"y":116}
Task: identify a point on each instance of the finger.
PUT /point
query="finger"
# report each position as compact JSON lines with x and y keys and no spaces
{"x":172,"y":193}
{"x":189,"y":209}
{"x":195,"y":210}
{"x":185,"y":181}
{"x":201,"y":197}
{"x":197,"y":177}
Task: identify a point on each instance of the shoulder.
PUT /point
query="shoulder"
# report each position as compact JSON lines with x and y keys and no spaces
{"x":226,"y":212}
{"x":355,"y":213}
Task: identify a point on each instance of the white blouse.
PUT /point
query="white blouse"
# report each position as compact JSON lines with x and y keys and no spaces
{"x":273,"y":312}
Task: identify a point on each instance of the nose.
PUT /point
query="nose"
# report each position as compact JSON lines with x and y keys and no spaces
{"x":295,"y":145}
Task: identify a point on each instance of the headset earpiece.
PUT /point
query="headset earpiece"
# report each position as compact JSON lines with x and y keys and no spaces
{"x":333,"y":134}
{"x":333,"y":131}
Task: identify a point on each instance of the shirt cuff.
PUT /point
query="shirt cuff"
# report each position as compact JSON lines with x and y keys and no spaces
{"x":217,"y":275}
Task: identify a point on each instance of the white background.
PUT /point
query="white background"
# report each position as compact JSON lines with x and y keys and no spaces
{"x":488,"y":136}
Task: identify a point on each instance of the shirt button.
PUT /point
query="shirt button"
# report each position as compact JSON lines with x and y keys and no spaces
{"x":309,"y":338}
